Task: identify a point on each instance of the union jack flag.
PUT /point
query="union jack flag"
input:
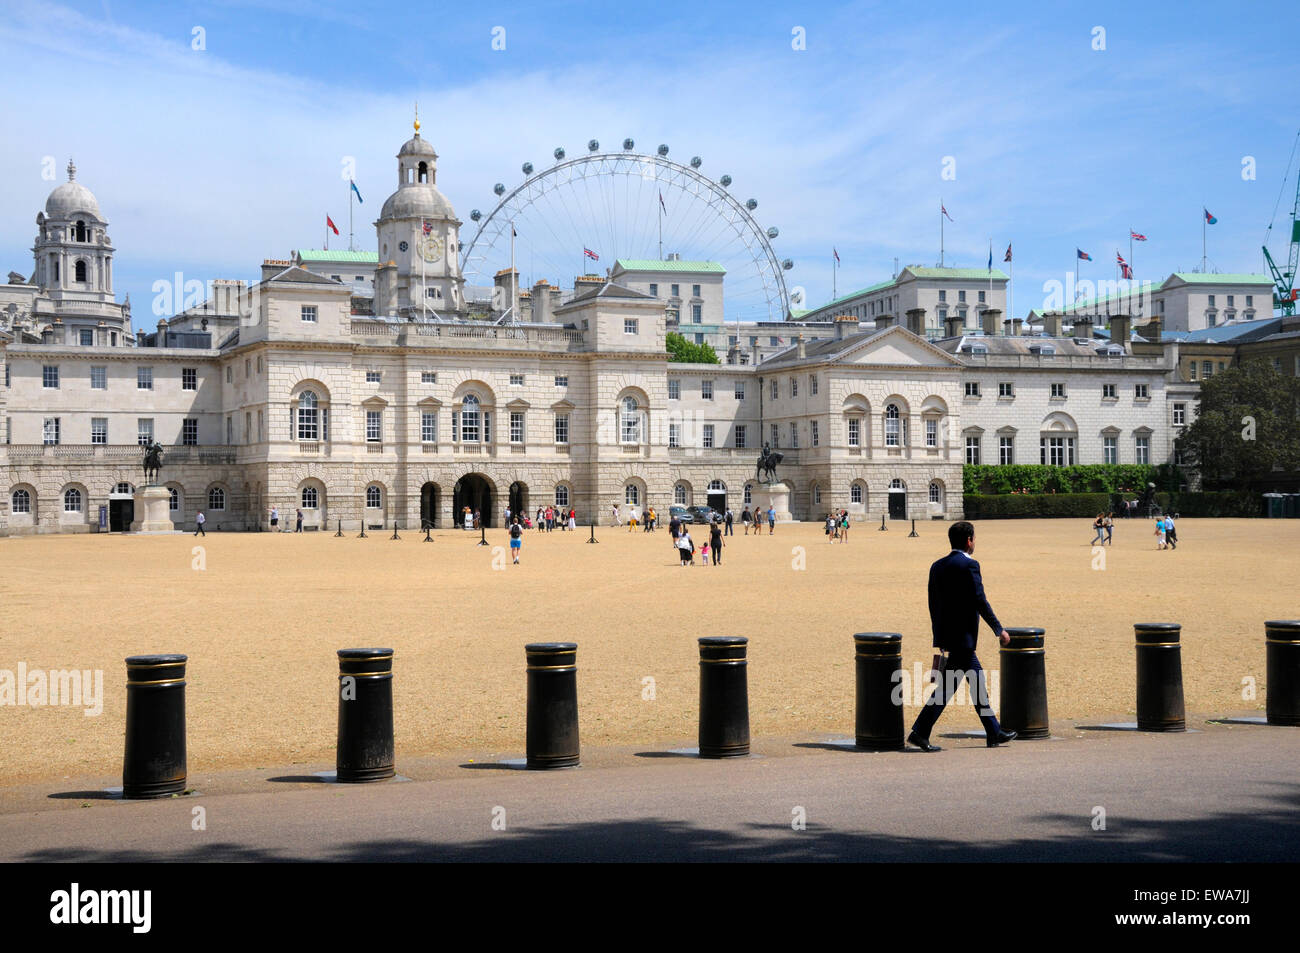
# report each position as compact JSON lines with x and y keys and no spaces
{"x":590,"y":254}
{"x":1135,"y":236}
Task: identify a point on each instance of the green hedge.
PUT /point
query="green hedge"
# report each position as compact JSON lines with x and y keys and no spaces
{"x":978,"y":479}
{"x":1087,"y":505}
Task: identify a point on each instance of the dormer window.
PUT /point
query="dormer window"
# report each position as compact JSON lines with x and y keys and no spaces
{"x":976,"y":348}
{"x":1042,"y":350}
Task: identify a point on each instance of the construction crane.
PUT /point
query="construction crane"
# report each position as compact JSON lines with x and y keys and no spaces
{"x":1284,"y":290}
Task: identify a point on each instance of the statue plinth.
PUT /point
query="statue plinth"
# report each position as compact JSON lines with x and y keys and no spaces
{"x":775,"y":495}
{"x":153,"y":511}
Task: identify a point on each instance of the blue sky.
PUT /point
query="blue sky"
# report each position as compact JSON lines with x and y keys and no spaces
{"x":206,"y":161}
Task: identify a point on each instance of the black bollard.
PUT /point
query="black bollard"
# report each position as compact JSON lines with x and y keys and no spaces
{"x":1024,"y":685}
{"x":724,"y":697}
{"x":154,"y":763}
{"x":913,"y":534}
{"x":1283,"y":658}
{"x":593,"y":534}
{"x":1159,"y":677}
{"x":552,"y":726}
{"x":365,"y":745}
{"x":882,"y":523}
{"x":340,"y":532}
{"x":362,"y":534}
{"x":394,"y":536}
{"x":482,"y":539}
{"x":878,"y":717}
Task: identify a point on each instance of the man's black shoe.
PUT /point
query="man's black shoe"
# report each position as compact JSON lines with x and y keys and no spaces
{"x":1001,"y":738}
{"x":923,"y":743}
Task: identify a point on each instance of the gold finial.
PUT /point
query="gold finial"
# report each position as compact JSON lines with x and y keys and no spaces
{"x":417,"y":119}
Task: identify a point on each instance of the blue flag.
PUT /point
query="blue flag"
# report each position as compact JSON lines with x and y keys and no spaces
{"x":354,"y":189}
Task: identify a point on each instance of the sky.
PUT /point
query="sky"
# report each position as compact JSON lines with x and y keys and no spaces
{"x":214,"y":134}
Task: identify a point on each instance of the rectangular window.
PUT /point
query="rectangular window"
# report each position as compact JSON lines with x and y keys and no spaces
{"x":248,"y":426}
{"x":697,"y":313}
{"x":695,"y":291}
{"x":144,"y":378}
{"x":374,"y":426}
{"x":855,"y":432}
{"x":50,"y":375}
{"x":981,"y":297}
{"x":87,"y":336}
{"x":99,"y":430}
{"x":259,"y":363}
{"x":190,"y":432}
{"x":654,"y":290}
{"x":674,"y":435}
{"x":561,"y":380}
{"x":1006,"y":451}
{"x":961,"y":296}
{"x":1058,"y":390}
{"x":943,"y":295}
{"x":794,"y":387}
{"x":516,"y":426}
{"x":1006,"y":389}
{"x":812,"y":384}
{"x":739,"y":390}
{"x":99,"y":378}
{"x":699,"y":338}
{"x":1207,"y":368}
{"x":776,"y":389}
{"x":144,"y":430}
{"x":740,"y":436}
{"x":373,"y":377}
{"x":708,"y":436}
{"x":309,"y":313}
{"x":248,"y":368}
{"x":1191,"y":371}
{"x":1250,"y":301}
{"x":1142,"y":446}
{"x":973,"y":450}
{"x":229,"y":373}
{"x":1110,"y":450}
{"x":189,"y":378}
{"x":561,"y":428}
{"x":428,"y":427}
{"x":972,"y":388}
{"x":674,"y":390}
{"x":1056,"y":451}
{"x":813,"y":434}
{"x":773,"y":341}
{"x":1211,"y":301}
{"x":516,"y":380}
{"x":629,"y":325}
{"x":1107,"y":391}
{"x":931,"y":432}
{"x":1140,"y":392}
{"x":230,"y":430}
{"x":259,"y":426}
{"x":51,"y":430}
{"x":428,"y":377}
{"x":706,"y":389}
{"x":674,"y":293}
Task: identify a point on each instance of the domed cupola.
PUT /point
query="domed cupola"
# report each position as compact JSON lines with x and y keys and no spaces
{"x":417,"y":196}
{"x":72,"y":200}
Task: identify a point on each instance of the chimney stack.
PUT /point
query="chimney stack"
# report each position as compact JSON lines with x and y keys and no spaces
{"x":991,"y":319}
{"x":541,"y":299}
{"x":952,"y":326}
{"x":799,"y":344}
{"x":916,"y":321}
{"x":1082,"y":326}
{"x":1052,"y":324}
{"x":845,"y":324}
{"x":1120,"y":329}
{"x":884,"y":321}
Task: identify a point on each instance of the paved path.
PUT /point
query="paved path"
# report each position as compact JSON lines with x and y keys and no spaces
{"x":1223,"y":793}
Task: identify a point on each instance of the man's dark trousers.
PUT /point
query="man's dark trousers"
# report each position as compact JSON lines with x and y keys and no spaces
{"x":961,"y":664}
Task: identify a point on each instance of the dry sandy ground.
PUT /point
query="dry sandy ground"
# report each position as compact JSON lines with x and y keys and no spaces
{"x":262,"y":621}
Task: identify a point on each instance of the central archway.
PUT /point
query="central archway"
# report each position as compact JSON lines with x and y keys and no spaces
{"x":430,"y":497}
{"x":518,"y":498}
{"x":475,"y":491}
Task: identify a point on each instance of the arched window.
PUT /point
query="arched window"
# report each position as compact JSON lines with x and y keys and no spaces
{"x":308,"y":416}
{"x":749,"y":493}
{"x":632,"y":494}
{"x":896,"y":484}
{"x":817,"y":494}
{"x":216,"y":498}
{"x":895,"y":429}
{"x":309,"y":498}
{"x":123,"y":488}
{"x":80,"y":271}
{"x":679,"y":495}
{"x":423,"y":174}
{"x":22,"y":502}
{"x":717,"y":486}
{"x":470,"y":419}
{"x":631,"y":423}
{"x":72,"y":500}
{"x":936,"y":492}
{"x":173,"y":499}
{"x":855,"y":493}
{"x":561,"y":495}
{"x":373,"y":497}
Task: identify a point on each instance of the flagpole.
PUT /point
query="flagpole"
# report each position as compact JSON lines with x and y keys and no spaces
{"x":834,"y":271}
{"x":1203,"y":220}
{"x":661,"y":226}
{"x":351,"y":243}
{"x":514,"y":277}
{"x":940,"y":231}
{"x":424,"y":291}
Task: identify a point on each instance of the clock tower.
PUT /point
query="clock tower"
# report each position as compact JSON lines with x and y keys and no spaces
{"x":419,"y":235}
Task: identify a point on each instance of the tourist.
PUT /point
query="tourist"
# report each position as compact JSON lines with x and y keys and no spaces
{"x":844,"y":526}
{"x":507,"y":516}
{"x":674,"y":529}
{"x":685,"y":548}
{"x":1171,"y":534}
{"x":516,"y":540}
{"x":771,"y":520}
{"x":478,"y":519}
{"x":704,"y":553}
{"x":275,"y":518}
{"x":298,"y":527}
{"x":1099,"y":529}
{"x":541,"y":519}
{"x":651,"y":520}
{"x":830,"y":529}
{"x":1109,"y":524}
{"x":573,"y":519}
{"x":746,"y":519}
{"x":618,"y":521}
{"x":198,"y":524}
{"x":1160,"y":533}
{"x":633,"y":518}
{"x":647,"y":519}
{"x":715,"y":543}
{"x":729,"y":519}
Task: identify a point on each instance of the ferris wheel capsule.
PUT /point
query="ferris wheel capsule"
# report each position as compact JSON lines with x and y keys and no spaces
{"x":559,"y":154}
{"x":787,"y":264}
{"x":527,"y":168}
{"x":696,"y":162}
{"x":751,"y":204}
{"x":499,"y":189}
{"x":476,"y":215}
{"x":629,"y":145}
{"x":773,"y":232}
{"x":663,"y":150}
{"x":725,"y":181}
{"x":593,"y":145}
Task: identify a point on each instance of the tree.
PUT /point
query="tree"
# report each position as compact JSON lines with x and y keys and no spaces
{"x":1248,"y":427}
{"x":683,"y":351}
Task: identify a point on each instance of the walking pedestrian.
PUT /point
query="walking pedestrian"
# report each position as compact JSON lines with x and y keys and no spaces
{"x":275,"y":518}
{"x":830,"y":529}
{"x":298,"y":525}
{"x":573,"y":520}
{"x":198,"y":524}
{"x":614,"y":516}
{"x":957,"y":601}
{"x":715,"y":543}
{"x":1099,"y":529}
{"x":729,"y":519}
{"x":844,"y":526}
{"x":1110,"y":526}
{"x":685,"y":548}
{"x":516,"y":540}
{"x":771,"y":520}
{"x":1160,"y":533}
{"x":1171,"y":534}
{"x":745,"y":518}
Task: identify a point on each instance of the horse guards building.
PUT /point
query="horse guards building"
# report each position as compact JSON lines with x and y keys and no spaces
{"x":396,"y":395}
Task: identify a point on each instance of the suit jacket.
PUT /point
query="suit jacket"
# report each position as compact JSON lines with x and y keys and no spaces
{"x":957,"y":601}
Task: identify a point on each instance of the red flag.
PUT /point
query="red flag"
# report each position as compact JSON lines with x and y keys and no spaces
{"x":330,"y":222}
{"x":1124,"y":269}
{"x":661,"y":202}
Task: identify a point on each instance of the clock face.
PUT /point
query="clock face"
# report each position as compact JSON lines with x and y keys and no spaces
{"x":430,"y":247}
{"x":402,"y":246}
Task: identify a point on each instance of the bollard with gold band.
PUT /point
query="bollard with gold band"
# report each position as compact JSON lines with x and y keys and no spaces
{"x":154,"y":762}
{"x":1023,"y":680}
{"x":552,"y":729}
{"x":365,"y":745}
{"x":1282,"y":649}
{"x":1159,"y":677}
{"x":724,"y":697}
{"x":878,"y":715}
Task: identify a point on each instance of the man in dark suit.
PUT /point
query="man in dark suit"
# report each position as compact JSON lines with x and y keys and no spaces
{"x":956,"y":604}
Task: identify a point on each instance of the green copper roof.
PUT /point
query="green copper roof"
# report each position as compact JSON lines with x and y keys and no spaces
{"x":1200,"y":278}
{"x":982,"y":274}
{"x":651,"y":264}
{"x":318,"y":254}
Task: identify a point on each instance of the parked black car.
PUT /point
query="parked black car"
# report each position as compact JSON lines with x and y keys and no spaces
{"x":703,"y":514}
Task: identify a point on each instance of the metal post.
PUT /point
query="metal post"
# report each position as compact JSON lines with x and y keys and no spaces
{"x":724,"y":697}
{"x":552,"y":719}
{"x":913,"y":534}
{"x":882,"y":523}
{"x":878,"y":713}
{"x":593,"y":534}
{"x":365,"y":742}
{"x":154,"y":763}
{"x":1283,"y":651}
{"x":1159,"y":677}
{"x":340,"y":532}
{"x":482,"y":539}
{"x":394,"y":536}
{"x":1024,"y":684}
{"x":362,"y":534}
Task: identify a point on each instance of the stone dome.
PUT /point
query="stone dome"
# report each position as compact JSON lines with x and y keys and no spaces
{"x":415,"y":146}
{"x":70,"y":200}
{"x":419,"y":200}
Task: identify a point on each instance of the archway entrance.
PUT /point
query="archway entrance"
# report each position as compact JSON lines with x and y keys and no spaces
{"x":429,"y":500}
{"x":472,"y":490}
{"x":897,"y":500}
{"x":717,"y":497}
{"x":518,"y":498}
